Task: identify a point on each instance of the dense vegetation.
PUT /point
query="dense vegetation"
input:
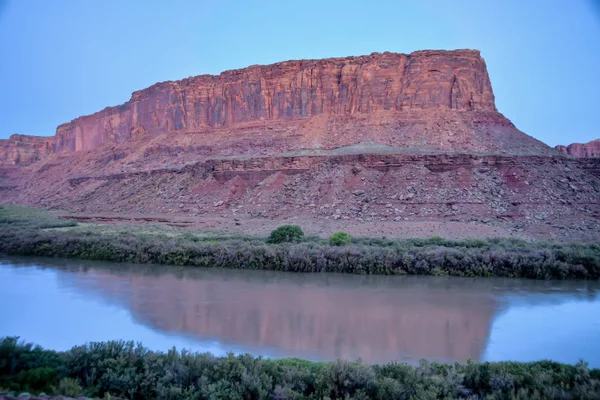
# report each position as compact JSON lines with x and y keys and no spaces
{"x":132,"y":371}
{"x":434,"y":256}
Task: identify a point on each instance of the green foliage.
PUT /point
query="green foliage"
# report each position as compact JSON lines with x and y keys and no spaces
{"x":129,"y":370}
{"x":286,"y":234}
{"x":436,"y":240}
{"x":493,"y":257}
{"x":20,"y":216}
{"x":68,"y":387}
{"x":339,"y":239}
{"x":342,"y":379}
{"x":23,"y":235}
{"x":29,"y":367}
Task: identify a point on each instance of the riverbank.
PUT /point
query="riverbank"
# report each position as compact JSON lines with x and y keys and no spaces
{"x":129,"y":370}
{"x":26,"y":231}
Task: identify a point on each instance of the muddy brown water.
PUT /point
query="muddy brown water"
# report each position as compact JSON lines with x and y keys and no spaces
{"x":62,"y":303}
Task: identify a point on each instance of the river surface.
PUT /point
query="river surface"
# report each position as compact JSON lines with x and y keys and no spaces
{"x":61,"y":303}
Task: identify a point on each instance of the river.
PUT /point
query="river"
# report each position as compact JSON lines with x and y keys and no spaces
{"x":62,"y":303}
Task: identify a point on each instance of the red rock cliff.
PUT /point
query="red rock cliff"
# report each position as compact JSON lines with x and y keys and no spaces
{"x":450,"y":80}
{"x":24,"y":150}
{"x":589,"y":150}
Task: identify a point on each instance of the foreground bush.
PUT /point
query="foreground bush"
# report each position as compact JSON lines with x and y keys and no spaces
{"x":125,"y":369}
{"x":286,"y":234}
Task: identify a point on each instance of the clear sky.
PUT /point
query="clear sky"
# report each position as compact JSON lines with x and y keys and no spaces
{"x":65,"y":58}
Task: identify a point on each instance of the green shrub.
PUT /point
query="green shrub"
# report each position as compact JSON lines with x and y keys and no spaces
{"x":339,"y":239}
{"x":127,"y":370}
{"x":24,"y":366}
{"x":344,"y":380}
{"x":68,"y":387}
{"x":286,"y":234}
{"x":436,"y":240}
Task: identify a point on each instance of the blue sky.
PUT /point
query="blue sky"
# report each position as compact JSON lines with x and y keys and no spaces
{"x":66,"y":58}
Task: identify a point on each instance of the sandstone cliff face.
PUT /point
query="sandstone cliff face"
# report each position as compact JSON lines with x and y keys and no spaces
{"x":585,"y":150}
{"x":24,"y":150}
{"x":418,"y":133}
{"x":447,"y":80}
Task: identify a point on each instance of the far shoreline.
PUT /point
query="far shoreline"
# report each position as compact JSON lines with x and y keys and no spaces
{"x":34,"y":232}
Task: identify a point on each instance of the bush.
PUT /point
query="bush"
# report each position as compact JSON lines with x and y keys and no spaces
{"x":21,"y":234}
{"x":68,"y":387}
{"x":126,"y":370}
{"x":286,"y":234}
{"x":339,"y":239}
{"x":26,"y":367}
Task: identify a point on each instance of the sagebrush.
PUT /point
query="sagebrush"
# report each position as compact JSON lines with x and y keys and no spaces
{"x":22,"y":235}
{"x":129,"y":370}
{"x":494,"y":257}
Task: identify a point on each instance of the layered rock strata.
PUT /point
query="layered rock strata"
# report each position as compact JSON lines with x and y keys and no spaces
{"x":583,"y":150}
{"x":453,"y":80}
{"x":24,"y":149}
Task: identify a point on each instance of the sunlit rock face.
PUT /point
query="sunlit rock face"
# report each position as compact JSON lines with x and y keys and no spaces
{"x":589,"y":149}
{"x":424,"y":80}
{"x":23,"y":150}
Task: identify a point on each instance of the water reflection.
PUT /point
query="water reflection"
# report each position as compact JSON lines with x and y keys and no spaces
{"x":318,"y":316}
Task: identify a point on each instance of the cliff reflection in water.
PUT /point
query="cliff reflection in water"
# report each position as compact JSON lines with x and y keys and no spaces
{"x":316,"y":316}
{"x":311,"y":316}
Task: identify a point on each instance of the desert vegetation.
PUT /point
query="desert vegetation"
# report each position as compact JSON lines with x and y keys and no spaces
{"x":129,"y":370}
{"x":286,"y":234}
{"x":29,"y":235}
{"x":32,"y":218}
{"x":339,"y":239}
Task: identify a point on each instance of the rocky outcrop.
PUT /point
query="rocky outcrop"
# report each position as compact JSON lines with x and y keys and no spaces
{"x":584,"y":150}
{"x":24,"y":150}
{"x":423,"y":80}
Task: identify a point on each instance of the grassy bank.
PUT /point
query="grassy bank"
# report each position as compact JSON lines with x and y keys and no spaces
{"x":33,"y":232}
{"x":128,"y":370}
